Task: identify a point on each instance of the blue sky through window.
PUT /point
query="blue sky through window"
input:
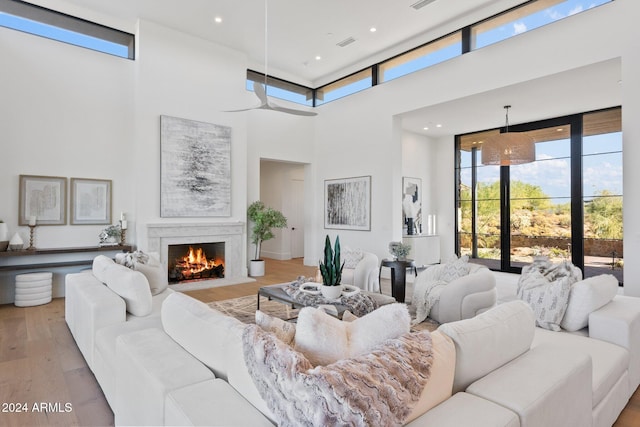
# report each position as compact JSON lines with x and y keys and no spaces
{"x":535,"y":20}
{"x":63,"y":35}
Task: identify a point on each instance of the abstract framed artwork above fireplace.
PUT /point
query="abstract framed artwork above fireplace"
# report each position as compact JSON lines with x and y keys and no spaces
{"x":227,"y":234}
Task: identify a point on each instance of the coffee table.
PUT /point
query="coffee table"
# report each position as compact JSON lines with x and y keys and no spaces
{"x":277,"y":293}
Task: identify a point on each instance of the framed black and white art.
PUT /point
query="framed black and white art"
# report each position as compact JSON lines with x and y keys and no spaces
{"x":195,"y":169}
{"x":348,"y":203}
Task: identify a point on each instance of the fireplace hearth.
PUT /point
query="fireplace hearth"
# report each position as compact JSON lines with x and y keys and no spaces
{"x":191,"y":262}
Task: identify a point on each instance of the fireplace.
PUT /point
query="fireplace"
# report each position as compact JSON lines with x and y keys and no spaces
{"x":229,"y":233}
{"x":190,"y":262}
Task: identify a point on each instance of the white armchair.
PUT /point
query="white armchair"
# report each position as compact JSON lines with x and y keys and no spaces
{"x":361,"y":271}
{"x":462,"y":298}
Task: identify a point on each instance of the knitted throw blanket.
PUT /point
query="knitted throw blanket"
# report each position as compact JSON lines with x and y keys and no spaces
{"x":358,"y":304}
{"x":376,"y":389}
{"x":426,"y":295}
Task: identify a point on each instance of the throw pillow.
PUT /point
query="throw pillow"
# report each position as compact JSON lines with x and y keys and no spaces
{"x":546,"y":287}
{"x":131,"y":285}
{"x":323,"y":339}
{"x":154,"y":271}
{"x":284,"y":331}
{"x":351,"y":258}
{"x":149,"y":265}
{"x":455,"y":269}
{"x":587,"y":296}
{"x":547,"y":299}
{"x":379,"y":388}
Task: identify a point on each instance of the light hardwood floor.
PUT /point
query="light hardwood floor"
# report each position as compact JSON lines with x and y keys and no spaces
{"x":41,"y":365}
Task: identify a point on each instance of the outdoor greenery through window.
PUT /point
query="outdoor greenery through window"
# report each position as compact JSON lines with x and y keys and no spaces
{"x":508,"y":215}
{"x":57,"y":26}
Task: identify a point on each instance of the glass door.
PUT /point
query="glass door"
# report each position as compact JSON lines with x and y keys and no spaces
{"x":540,"y":200}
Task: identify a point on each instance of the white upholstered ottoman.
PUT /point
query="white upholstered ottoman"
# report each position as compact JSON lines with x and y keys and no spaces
{"x":33,"y":289}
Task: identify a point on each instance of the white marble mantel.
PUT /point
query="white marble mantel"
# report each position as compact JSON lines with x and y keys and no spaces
{"x":161,"y":235}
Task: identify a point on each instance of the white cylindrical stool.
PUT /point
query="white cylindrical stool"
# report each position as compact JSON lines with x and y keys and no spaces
{"x":33,"y":289}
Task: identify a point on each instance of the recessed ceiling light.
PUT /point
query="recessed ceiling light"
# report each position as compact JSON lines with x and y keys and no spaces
{"x":373,"y":29}
{"x":438,"y":125}
{"x":217,"y":19}
{"x":425,"y":128}
{"x":318,"y":57}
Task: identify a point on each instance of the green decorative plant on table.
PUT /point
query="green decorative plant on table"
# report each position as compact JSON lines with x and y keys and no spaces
{"x":264,"y":219}
{"x":331,"y":270}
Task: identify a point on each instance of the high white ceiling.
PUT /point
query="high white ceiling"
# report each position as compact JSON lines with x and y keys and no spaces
{"x":299,"y":30}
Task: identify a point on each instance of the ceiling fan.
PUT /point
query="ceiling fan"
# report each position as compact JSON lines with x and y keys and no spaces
{"x":261,"y":90}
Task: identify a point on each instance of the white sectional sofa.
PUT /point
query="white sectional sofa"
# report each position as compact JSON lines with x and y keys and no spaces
{"x":183,"y":364}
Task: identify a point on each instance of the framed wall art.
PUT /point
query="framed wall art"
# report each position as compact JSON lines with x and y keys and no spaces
{"x":42,"y":197}
{"x":195,"y":168}
{"x":348,"y":203}
{"x":90,"y":201}
{"x":412,"y":205}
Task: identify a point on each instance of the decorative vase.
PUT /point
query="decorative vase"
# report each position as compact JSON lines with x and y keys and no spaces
{"x":256,"y":268}
{"x":331,"y":292}
{"x":16,"y":243}
{"x":410,"y":226}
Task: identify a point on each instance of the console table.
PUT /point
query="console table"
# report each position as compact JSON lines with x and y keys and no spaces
{"x":33,"y":259}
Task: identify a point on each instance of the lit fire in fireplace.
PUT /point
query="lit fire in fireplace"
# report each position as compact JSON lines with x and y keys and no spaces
{"x":196,"y":265}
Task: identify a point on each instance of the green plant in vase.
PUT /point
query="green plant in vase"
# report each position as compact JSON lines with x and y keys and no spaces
{"x":331,"y":269}
{"x":264,"y":220}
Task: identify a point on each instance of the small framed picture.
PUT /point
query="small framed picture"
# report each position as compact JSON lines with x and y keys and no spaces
{"x":43,"y":200}
{"x":90,"y":201}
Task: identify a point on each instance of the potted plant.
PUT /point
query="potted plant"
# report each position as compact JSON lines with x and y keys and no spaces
{"x":264,"y":220}
{"x":399,"y":250}
{"x":331,"y":270}
{"x":110,"y":236}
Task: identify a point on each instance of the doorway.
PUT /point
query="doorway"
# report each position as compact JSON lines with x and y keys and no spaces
{"x":282,"y":188}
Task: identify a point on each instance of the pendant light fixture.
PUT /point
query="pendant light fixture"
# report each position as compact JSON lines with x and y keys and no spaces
{"x":508,"y":148}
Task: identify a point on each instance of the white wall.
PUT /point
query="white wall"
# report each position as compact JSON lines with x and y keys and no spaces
{"x":51,"y":125}
{"x":73,"y":112}
{"x":183,"y":76}
{"x":418,"y":161}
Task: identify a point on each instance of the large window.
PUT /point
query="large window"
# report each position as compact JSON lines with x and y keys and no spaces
{"x":281,"y":88}
{"x":54,"y":25}
{"x":531,"y":15}
{"x":567,"y":204}
{"x":430,"y":54}
{"x":343,"y":87}
{"x":525,"y":17}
